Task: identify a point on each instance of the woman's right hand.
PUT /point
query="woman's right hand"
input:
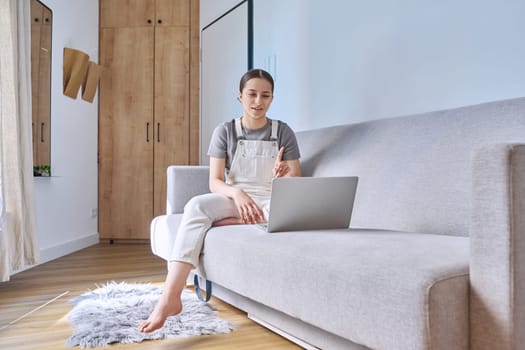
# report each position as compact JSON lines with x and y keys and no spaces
{"x":249,"y":211}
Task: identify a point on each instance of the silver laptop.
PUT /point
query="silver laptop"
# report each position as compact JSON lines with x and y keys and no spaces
{"x":311,"y":203}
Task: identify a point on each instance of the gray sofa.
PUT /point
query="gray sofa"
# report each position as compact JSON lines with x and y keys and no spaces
{"x":434,"y":258}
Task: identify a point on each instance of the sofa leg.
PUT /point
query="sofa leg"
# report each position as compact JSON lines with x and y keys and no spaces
{"x":198,"y":290}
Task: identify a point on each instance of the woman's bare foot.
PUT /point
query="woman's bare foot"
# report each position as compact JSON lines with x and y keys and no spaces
{"x":170,"y":303}
{"x":164,"y":308}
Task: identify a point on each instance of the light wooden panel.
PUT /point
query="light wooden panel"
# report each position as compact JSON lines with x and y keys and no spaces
{"x":172,"y":90}
{"x":173,"y":12}
{"x":174,"y":107}
{"x":126,"y":13}
{"x":126,"y":133}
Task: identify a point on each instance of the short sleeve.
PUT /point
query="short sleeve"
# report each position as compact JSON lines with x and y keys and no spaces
{"x":218,"y":143}
{"x":288,"y":140}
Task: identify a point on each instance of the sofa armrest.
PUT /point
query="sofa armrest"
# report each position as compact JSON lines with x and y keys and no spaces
{"x":497,"y":234}
{"x":183,"y":183}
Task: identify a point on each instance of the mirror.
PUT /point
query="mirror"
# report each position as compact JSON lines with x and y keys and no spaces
{"x":41,"y":25}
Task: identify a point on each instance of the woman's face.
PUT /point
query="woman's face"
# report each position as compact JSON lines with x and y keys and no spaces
{"x":256,"y":98}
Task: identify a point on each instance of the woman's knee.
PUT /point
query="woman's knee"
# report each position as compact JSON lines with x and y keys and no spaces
{"x":194,"y":204}
{"x":200,"y":204}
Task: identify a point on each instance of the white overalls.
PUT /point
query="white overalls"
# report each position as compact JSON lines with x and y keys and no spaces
{"x":251,"y":170}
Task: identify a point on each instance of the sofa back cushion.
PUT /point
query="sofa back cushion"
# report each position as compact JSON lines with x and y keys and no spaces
{"x":414,"y":171}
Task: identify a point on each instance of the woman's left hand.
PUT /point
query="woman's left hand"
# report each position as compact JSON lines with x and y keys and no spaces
{"x":280,"y":168}
{"x":249,"y":211}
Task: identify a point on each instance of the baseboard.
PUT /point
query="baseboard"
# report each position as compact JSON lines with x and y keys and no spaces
{"x":69,"y":247}
{"x":282,"y":333}
{"x":60,"y":250}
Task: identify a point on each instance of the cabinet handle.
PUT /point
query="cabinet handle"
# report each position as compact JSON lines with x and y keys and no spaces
{"x":147,"y":132}
{"x":42,"y":132}
{"x":149,"y":21}
{"x":159,"y":21}
{"x":158,"y":132}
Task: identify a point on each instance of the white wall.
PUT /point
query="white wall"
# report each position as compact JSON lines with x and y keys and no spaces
{"x":64,"y":202}
{"x":344,"y":61}
{"x":210,"y":10}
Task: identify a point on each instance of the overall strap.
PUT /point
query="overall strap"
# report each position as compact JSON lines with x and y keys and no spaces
{"x":238,"y":128}
{"x":275,"y":127}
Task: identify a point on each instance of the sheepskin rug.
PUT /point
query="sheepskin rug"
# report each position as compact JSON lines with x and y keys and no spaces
{"x":113,"y":313}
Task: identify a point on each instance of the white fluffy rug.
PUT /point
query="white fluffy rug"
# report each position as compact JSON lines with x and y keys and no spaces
{"x":112,"y":314}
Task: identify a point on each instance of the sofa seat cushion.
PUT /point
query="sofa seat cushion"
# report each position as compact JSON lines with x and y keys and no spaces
{"x":378,"y":288}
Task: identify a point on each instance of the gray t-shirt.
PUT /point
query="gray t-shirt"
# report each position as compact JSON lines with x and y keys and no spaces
{"x":224,"y":140}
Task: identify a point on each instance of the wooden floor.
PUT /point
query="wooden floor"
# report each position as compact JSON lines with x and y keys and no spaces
{"x":34,"y":304}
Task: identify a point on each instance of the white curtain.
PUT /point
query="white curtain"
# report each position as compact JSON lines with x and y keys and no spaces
{"x":18,"y":245}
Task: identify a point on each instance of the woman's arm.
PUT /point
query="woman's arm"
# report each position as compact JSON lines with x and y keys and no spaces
{"x":217,"y":184}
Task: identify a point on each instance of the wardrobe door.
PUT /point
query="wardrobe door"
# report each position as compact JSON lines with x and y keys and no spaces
{"x":126,"y":13}
{"x":173,"y":12}
{"x":172,"y":98}
{"x":126,"y":132}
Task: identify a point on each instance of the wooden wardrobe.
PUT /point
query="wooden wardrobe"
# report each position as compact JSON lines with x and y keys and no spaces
{"x":148,"y":118}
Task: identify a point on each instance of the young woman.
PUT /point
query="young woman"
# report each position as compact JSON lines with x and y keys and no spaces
{"x":245,"y":154}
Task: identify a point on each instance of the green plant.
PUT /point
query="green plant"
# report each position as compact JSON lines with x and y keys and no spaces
{"x":42,"y":170}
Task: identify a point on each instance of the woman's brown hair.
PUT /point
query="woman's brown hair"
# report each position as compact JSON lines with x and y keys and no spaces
{"x":255,"y":73}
